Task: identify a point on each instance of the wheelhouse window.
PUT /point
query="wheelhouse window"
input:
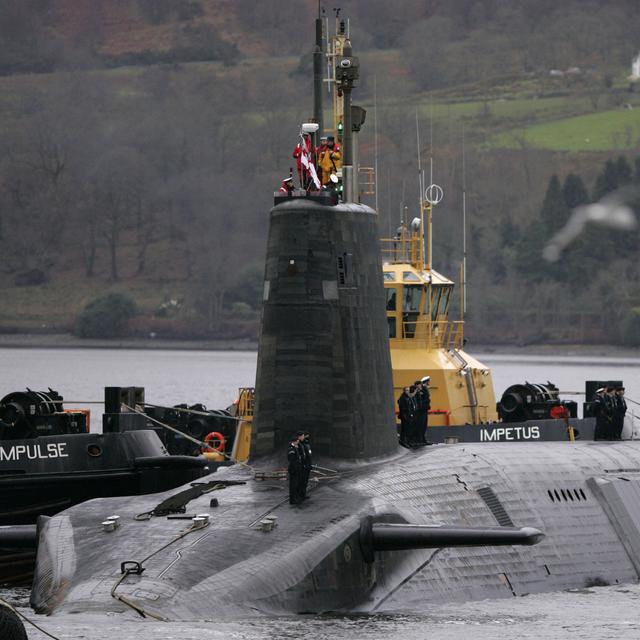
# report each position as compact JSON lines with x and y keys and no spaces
{"x":440,"y":295}
{"x":391,"y":299}
{"x":412,"y":299}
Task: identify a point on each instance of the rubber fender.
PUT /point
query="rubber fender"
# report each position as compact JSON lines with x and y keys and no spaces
{"x":11,"y":627}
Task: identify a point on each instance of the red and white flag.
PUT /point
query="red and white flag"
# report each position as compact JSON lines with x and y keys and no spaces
{"x":305,"y":160}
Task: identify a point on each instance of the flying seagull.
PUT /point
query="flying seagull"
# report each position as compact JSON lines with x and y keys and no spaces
{"x":611,"y":211}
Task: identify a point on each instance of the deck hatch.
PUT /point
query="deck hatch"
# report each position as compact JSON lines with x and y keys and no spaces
{"x":497,"y":508}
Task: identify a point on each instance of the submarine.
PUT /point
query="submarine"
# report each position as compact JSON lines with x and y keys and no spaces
{"x":385,"y":528}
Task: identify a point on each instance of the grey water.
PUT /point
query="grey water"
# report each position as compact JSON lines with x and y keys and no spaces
{"x":213,"y":378}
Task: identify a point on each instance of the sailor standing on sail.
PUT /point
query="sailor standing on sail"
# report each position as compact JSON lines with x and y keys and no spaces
{"x":296,"y":469}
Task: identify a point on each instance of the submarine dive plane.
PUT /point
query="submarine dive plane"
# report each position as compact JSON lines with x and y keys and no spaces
{"x":385,"y":528}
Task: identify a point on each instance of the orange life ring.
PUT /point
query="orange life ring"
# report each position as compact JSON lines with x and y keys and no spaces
{"x":214,"y":435}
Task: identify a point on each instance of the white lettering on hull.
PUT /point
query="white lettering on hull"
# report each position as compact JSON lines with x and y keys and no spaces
{"x":504,"y":434}
{"x":33,"y":452}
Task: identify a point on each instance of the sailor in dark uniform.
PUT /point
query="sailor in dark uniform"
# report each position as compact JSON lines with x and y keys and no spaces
{"x":419,"y":430}
{"x":426,"y":394}
{"x":600,"y":411}
{"x":406,"y":410}
{"x":620,"y":410}
{"x":306,"y":463}
{"x":610,"y":405}
{"x":295,"y":457}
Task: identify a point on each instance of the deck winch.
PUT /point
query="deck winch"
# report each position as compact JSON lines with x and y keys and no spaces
{"x":28,"y":414}
{"x":529,"y":401}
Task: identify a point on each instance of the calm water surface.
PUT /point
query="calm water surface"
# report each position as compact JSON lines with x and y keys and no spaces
{"x":604,"y":613}
{"x":212,"y":378}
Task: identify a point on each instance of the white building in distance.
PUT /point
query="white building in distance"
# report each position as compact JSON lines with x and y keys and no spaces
{"x":635,"y":68}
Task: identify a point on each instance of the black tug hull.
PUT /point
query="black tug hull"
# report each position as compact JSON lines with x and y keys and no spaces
{"x":45,"y":475}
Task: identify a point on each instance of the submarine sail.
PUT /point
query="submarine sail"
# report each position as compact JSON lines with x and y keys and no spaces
{"x":323,"y":361}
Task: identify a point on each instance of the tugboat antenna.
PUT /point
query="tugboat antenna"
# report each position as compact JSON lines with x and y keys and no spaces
{"x":431,"y":139}
{"x":463,"y":309}
{"x":420,"y":191}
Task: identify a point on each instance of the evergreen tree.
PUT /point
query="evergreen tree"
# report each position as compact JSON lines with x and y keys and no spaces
{"x":570,"y":267}
{"x":554,"y":212}
{"x":623,"y":170}
{"x":574,"y":192}
{"x":607,"y":181}
{"x":625,"y":244}
{"x":636,"y":176}
{"x":611,"y":243}
{"x":527,"y":259}
{"x":508,"y":232}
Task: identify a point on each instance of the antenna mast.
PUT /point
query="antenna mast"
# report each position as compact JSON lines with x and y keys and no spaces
{"x":463,"y":309}
{"x":318,"y":53}
{"x":433,"y":195}
{"x":420,"y":200}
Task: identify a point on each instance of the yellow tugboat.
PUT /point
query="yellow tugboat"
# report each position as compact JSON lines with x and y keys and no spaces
{"x":422,"y":338}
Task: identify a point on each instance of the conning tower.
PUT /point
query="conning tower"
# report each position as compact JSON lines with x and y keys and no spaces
{"x":323,"y":356}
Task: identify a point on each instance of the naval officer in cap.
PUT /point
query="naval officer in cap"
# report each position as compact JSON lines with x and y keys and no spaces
{"x":600,"y":411}
{"x":286,"y":186}
{"x":426,"y":402}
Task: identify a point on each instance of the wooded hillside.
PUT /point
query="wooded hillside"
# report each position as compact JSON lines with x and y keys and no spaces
{"x":142,"y":141}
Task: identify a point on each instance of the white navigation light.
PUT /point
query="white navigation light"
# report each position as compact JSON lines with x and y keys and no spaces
{"x":433,"y":194}
{"x":415,"y":224}
{"x":310,"y":127}
{"x":345,"y":63}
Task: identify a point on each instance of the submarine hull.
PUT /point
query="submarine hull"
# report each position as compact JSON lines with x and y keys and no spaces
{"x":583,"y":496}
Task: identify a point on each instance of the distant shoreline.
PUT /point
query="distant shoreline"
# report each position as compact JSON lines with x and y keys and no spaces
{"x":69,"y":341}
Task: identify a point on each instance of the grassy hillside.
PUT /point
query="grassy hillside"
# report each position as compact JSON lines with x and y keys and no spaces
{"x":613,"y":130}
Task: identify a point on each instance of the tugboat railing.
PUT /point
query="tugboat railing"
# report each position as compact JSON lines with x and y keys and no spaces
{"x":246,"y":402}
{"x":440,"y":334}
{"x":404,"y":248}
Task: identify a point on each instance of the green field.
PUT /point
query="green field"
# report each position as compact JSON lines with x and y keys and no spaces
{"x":618,"y":129}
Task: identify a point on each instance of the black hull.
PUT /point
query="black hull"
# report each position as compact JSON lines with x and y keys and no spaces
{"x":528,"y":431}
{"x":43,"y":476}
{"x":16,"y":567}
{"x":25,"y":498}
